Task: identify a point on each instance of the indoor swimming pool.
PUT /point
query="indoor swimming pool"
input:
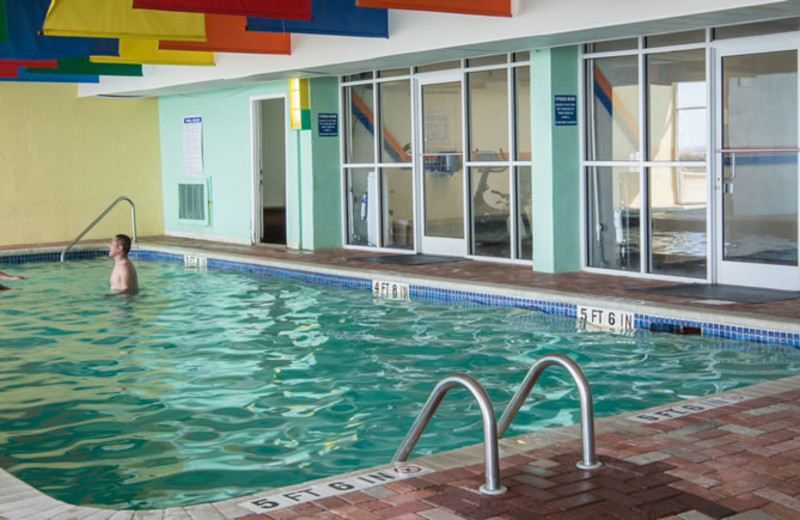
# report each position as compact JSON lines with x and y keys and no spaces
{"x":214,"y":384}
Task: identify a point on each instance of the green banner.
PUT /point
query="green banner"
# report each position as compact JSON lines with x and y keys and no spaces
{"x":3,"y":21}
{"x":82,"y":65}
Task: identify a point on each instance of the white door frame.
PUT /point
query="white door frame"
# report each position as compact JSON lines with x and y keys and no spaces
{"x":742,"y":273}
{"x":439,"y":245}
{"x":256,"y":202}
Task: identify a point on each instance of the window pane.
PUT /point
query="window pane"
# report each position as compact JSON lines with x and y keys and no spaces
{"x":390,"y":73}
{"x":398,"y":208}
{"x":362,"y":207}
{"x":488,"y":112}
{"x":442,"y":65}
{"x":395,"y":117}
{"x":487,"y":60}
{"x":490,"y":212}
{"x":679,"y":38}
{"x":613,"y":111}
{"x":678,"y":221}
{"x":614,"y":205}
{"x":522,"y":104}
{"x":676,"y":117}
{"x":613,"y":45}
{"x":524,"y":213}
{"x":359,"y":127}
{"x":522,"y":56}
{"x":357,"y":77}
{"x":757,"y":29}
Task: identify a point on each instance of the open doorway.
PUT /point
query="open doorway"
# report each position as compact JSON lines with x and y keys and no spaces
{"x":270,"y":162}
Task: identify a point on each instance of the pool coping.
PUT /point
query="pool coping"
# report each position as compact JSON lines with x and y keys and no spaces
{"x":20,"y":501}
{"x":648,"y":315}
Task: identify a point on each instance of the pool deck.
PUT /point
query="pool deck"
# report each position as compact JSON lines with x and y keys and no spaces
{"x":740,"y":459}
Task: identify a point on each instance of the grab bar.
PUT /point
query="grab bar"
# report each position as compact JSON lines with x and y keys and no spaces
{"x":587,"y":412}
{"x":98,"y":219}
{"x":491,"y":457}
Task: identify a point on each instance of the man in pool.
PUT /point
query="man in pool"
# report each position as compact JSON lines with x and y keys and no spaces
{"x":123,"y":277}
{"x":4,"y":276}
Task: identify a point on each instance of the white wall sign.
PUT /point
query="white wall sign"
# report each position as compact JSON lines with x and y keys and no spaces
{"x":390,"y":290}
{"x":336,"y":487}
{"x":687,"y":409}
{"x":606,"y":318}
{"x":193,"y":146}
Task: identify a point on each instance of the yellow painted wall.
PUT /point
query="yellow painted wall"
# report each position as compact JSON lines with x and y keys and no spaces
{"x":64,"y":159}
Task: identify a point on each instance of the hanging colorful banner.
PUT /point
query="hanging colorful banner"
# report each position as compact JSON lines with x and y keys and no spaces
{"x":8,"y":71}
{"x":482,"y":7}
{"x":337,"y":17}
{"x":118,"y":19}
{"x":139,"y":50}
{"x":226,"y":33}
{"x":84,"y":66}
{"x":25,"y":19}
{"x":50,"y":64}
{"x":289,"y":9}
{"x":3,"y":22}
{"x":53,"y":78}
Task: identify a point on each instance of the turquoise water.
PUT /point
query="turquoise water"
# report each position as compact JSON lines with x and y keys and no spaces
{"x":207,"y":386}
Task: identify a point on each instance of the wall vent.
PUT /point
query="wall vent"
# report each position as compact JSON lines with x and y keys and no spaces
{"x":192,"y":202}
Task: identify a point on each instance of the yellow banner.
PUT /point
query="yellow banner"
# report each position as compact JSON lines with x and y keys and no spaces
{"x":135,"y":50}
{"x":118,"y":19}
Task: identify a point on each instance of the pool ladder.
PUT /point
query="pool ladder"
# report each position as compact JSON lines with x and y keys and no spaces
{"x":99,"y":218}
{"x":492,"y":429}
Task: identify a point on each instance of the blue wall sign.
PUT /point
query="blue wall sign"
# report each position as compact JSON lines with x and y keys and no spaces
{"x":328,"y":125}
{"x":566,"y":110}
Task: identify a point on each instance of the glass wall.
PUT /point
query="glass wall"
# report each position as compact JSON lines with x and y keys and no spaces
{"x":648,"y":168}
{"x":379,"y":170}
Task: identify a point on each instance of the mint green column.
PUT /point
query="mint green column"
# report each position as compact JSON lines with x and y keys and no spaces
{"x":320,"y":199}
{"x":556,"y":163}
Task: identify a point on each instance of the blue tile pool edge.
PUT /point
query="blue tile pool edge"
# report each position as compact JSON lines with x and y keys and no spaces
{"x":331,"y":276}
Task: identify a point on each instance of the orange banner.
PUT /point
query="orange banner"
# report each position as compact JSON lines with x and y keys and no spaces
{"x":482,"y":7}
{"x":228,"y":34}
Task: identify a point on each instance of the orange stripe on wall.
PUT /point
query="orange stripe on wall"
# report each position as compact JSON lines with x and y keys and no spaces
{"x":482,"y":7}
{"x":226,"y":33}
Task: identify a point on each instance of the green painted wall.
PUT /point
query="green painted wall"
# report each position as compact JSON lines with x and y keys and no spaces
{"x":556,"y":163}
{"x":227,"y":159}
{"x":313,"y":190}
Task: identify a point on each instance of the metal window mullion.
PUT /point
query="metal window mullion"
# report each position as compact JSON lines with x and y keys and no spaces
{"x":511,"y":80}
{"x":644,"y":213}
{"x":466,"y":184}
{"x":376,"y":143}
{"x":342,"y":161}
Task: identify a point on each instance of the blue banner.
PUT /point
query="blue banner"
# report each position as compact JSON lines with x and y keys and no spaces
{"x":25,"y":20}
{"x":53,"y":78}
{"x":336,"y":17}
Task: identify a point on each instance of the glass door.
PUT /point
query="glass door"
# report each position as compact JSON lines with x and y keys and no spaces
{"x":441,"y":164}
{"x":756,"y":175}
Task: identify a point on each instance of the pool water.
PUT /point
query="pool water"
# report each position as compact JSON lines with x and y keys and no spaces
{"x":210,"y":385}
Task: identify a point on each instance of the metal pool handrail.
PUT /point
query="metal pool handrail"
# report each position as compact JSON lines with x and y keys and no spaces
{"x":491,"y":457}
{"x":98,"y":219}
{"x":587,"y":409}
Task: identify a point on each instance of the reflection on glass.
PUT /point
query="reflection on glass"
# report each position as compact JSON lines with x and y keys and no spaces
{"x":613,"y":109}
{"x":614,"y":204}
{"x":358,"y":132}
{"x":488,"y":112}
{"x":444,"y":201}
{"x":398,"y":208}
{"x":676,"y":103}
{"x":395,"y":117}
{"x":522,"y":107}
{"x":760,"y":165}
{"x":491,"y":235}
{"x":362,"y":207}
{"x":756,"y":29}
{"x":678,"y":202}
{"x":524,"y":213}
{"x":678,"y":38}
{"x":612,"y":45}
{"x":441,"y":122}
{"x":443,"y":173}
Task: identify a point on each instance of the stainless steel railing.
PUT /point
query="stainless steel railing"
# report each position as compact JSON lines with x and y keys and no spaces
{"x":491,"y":457}
{"x":587,"y":411}
{"x":98,"y":219}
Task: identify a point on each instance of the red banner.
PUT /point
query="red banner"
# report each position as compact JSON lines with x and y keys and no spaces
{"x":483,"y":7}
{"x":287,"y":9}
{"x":227,"y":34}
